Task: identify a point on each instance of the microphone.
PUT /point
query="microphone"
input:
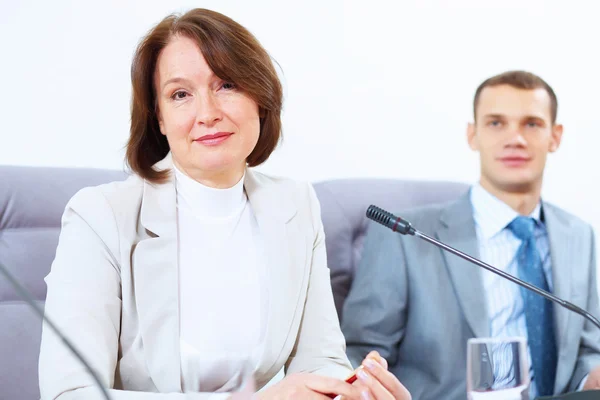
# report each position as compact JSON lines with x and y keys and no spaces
{"x":404,"y":227}
{"x":38,"y":310}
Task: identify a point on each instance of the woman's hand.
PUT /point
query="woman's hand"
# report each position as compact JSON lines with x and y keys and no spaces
{"x":375,"y":382}
{"x":309,"y":387}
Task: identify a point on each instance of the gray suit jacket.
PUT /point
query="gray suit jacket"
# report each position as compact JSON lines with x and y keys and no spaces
{"x":418,"y":305}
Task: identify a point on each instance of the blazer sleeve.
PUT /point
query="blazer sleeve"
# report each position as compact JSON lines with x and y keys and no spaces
{"x":374,"y":313}
{"x":320,"y":345}
{"x":589,"y":345}
{"x":84,"y":302}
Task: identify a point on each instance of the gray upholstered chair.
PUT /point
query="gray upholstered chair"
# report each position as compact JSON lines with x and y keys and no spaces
{"x":32,"y":200}
{"x":343,"y":206}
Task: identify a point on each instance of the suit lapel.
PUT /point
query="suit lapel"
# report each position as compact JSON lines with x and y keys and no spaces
{"x":458,"y":230}
{"x":284,"y":249}
{"x":561,"y":237}
{"x":156,"y":285}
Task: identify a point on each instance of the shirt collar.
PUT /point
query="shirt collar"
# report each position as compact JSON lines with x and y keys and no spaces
{"x":491,"y":214}
{"x":209,"y":202}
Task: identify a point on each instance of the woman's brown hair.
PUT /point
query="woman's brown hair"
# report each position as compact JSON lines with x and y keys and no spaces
{"x":232,"y":53}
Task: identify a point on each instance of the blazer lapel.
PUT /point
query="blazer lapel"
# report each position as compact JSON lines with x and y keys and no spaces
{"x":156,"y":285}
{"x":564,"y":257}
{"x":560,"y":237}
{"x":285,"y":251}
{"x":458,"y":231}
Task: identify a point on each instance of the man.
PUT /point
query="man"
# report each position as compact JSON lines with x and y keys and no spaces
{"x":418,"y":306}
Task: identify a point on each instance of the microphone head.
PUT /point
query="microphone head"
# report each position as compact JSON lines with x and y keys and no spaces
{"x":381,"y":216}
{"x":389,"y":220}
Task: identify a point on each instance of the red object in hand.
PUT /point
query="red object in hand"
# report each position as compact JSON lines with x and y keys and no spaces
{"x":350,"y":380}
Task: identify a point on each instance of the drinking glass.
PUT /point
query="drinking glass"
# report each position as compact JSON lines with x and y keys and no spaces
{"x":497,"y":368}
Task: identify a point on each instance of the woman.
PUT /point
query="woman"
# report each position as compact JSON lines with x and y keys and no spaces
{"x":171,"y":280}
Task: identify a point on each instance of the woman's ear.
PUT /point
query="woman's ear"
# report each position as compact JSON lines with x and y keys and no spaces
{"x":160,"y":120}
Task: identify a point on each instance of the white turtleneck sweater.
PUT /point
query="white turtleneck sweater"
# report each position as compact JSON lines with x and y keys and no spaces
{"x":222,"y":284}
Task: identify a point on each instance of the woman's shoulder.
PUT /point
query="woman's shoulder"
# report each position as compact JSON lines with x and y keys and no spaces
{"x":114,"y":197}
{"x":295,"y":190}
{"x":289,"y":197}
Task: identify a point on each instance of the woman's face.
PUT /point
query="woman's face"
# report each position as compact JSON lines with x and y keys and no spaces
{"x":211,"y":126}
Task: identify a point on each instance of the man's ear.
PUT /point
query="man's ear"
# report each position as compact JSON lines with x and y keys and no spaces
{"x":557,"y":132}
{"x":472,"y":136}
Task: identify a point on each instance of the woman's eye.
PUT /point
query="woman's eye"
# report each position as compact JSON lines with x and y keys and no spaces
{"x":228,"y":86}
{"x":179,"y":95}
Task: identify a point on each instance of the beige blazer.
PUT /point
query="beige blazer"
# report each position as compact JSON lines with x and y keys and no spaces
{"x":113,"y":290}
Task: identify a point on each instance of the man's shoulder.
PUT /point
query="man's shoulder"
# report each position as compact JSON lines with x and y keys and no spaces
{"x":555,"y":213}
{"x":431,"y":215}
{"x":429,"y":211}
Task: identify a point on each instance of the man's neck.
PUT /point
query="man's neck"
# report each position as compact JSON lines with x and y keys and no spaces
{"x":522,"y":202}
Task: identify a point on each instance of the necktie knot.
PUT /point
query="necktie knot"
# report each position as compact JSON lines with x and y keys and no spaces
{"x":522,"y":227}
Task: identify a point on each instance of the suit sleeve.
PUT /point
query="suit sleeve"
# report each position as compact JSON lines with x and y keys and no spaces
{"x":374,"y":313}
{"x":320,"y":346}
{"x":84,"y":302}
{"x":589,"y":347}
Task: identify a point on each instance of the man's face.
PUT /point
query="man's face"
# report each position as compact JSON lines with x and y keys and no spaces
{"x":513,"y":133}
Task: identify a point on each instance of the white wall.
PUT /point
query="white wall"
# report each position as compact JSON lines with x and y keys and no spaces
{"x":365,"y":82}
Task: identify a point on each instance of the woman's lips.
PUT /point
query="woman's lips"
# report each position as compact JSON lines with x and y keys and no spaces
{"x":214,"y":139}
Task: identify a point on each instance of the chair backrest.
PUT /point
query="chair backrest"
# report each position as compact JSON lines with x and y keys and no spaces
{"x":32,"y":200}
{"x":343,"y":206}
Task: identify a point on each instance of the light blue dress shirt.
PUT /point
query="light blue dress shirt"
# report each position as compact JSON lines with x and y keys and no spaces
{"x":498,"y":247}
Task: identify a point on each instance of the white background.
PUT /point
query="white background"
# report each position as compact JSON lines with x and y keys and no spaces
{"x":373,"y":88}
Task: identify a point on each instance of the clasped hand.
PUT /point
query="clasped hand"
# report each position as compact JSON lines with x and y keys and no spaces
{"x":374,"y":382}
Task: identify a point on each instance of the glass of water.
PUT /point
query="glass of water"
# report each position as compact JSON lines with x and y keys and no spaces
{"x":497,"y":368}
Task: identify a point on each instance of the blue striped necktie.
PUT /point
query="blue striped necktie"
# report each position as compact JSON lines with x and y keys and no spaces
{"x":538,"y":311}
